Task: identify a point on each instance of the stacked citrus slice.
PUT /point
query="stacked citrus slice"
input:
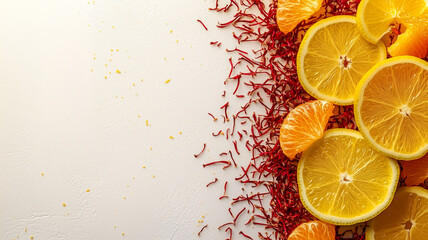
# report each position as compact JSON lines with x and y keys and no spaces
{"x":343,"y":180}
{"x":292,"y":12}
{"x":333,"y":57}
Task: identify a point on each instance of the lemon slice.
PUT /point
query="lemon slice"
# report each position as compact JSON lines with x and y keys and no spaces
{"x":333,"y":57}
{"x":405,"y":219}
{"x":391,"y":107}
{"x":374,"y":17}
{"x":343,"y":180}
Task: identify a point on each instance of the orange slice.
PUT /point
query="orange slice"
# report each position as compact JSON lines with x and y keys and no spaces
{"x":416,"y":171}
{"x":292,"y":12}
{"x":314,"y":230}
{"x":405,"y":219}
{"x":304,"y":125}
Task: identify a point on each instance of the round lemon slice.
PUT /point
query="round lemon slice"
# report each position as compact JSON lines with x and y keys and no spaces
{"x":332,"y":58}
{"x":391,"y":107}
{"x":343,"y":180}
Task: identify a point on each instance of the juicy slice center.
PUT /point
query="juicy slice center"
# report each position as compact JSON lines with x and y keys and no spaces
{"x":408,"y":225}
{"x":345,"y":178}
{"x":405,"y":110}
{"x":345,"y":62}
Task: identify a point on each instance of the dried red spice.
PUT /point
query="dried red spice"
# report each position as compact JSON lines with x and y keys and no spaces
{"x":268,"y":76}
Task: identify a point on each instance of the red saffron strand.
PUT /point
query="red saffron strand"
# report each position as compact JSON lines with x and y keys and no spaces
{"x":245,"y":235}
{"x":202,"y":229}
{"x":203,"y":149}
{"x":203,"y":25}
{"x":209,"y":184}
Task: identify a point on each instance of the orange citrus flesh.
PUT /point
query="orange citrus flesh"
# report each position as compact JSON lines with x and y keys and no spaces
{"x":292,"y":12}
{"x":405,"y":219}
{"x":314,"y":230}
{"x":304,"y":125}
{"x":415,"y":172}
{"x":414,"y":41}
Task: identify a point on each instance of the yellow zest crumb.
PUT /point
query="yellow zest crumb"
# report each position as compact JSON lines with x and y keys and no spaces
{"x":94,"y":58}
{"x":133,"y":84}
{"x":105,"y":77}
{"x":182,"y":58}
{"x":123,"y":234}
{"x":114,"y":226}
{"x":101,"y":31}
{"x":63,"y":204}
{"x":177,"y":41}
{"x":167,"y":81}
{"x":117,"y":50}
{"x":153,"y":176}
{"x":112,"y":27}
{"x":139,"y":115}
{"x":180,"y":133}
{"x":88,"y":190}
{"x":171,"y":137}
{"x":170,"y":31}
{"x":117,"y":71}
{"x":43,"y":174}
{"x":122,"y":97}
{"x":133,"y":178}
{"x":109,"y":72}
{"x":111,"y":50}
{"x":203,"y":216}
{"x":109,"y":59}
{"x":124,"y":198}
{"x":31,"y":237}
{"x":144,"y":167}
{"x":92,"y":70}
{"x":105,"y":65}
{"x":147,"y":123}
{"x":141,"y":80}
{"x":25,"y":230}
{"x":151,"y":148}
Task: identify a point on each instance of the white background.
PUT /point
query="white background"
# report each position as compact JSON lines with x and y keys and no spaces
{"x":65,"y":128}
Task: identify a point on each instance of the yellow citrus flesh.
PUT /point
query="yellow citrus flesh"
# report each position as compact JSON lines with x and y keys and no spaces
{"x":333,"y":57}
{"x":343,"y":180}
{"x":391,"y":107}
{"x":291,"y":12}
{"x":374,"y":17}
{"x":405,"y":219}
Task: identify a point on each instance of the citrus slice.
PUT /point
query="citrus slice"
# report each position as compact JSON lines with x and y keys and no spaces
{"x":415,"y":172}
{"x":375,"y":17}
{"x":391,"y":107}
{"x":314,"y":230}
{"x":343,"y":180}
{"x":291,"y":12}
{"x":304,"y":125}
{"x":405,"y":219}
{"x":333,"y":57}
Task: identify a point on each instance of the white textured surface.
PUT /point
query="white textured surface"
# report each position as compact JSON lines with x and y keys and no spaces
{"x":59,"y":116}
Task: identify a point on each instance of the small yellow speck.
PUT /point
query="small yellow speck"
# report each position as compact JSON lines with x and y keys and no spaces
{"x":109,"y":72}
{"x":111,"y":50}
{"x":88,"y":190}
{"x":117,"y":50}
{"x":95,"y":54}
{"x":117,"y":71}
{"x":89,"y":25}
{"x":182,"y":58}
{"x":153,"y":176}
{"x":139,"y":115}
{"x":105,"y":65}
{"x":167,"y":81}
{"x":127,"y":185}
{"x":151,"y":148}
{"x":124,"y":198}
{"x":112,"y":27}
{"x":109,"y":59}
{"x":92,"y":70}
{"x":171,"y":137}
{"x":43,"y":174}
{"x":133,"y":84}
{"x":133,"y":178}
{"x":144,"y":167}
{"x":180,"y":133}
{"x":141,"y":79}
{"x":203,"y":216}
{"x":177,"y":41}
{"x":122,"y":97}
{"x":63,"y":204}
{"x":31,"y":237}
{"x":105,"y":77}
{"x":101,"y":31}
{"x":147,"y":123}
{"x":123,"y":234}
{"x":94,"y":58}
{"x":164,"y":58}
{"x":170,"y":31}
{"x":25,"y":230}
{"x":114,"y":226}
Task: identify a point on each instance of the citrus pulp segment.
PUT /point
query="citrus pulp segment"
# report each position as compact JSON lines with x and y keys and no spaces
{"x":304,"y":125}
{"x":391,"y":107}
{"x":374,"y":17}
{"x":333,"y":57}
{"x":313,"y":230}
{"x":405,"y":219}
{"x":343,"y":180}
{"x":291,"y":12}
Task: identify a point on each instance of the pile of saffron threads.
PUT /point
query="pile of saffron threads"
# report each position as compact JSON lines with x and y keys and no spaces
{"x":268,"y":76}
